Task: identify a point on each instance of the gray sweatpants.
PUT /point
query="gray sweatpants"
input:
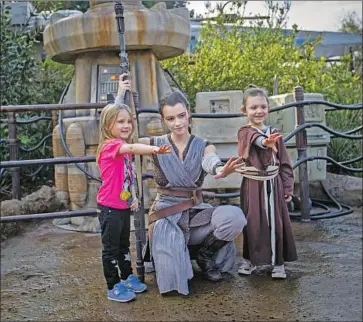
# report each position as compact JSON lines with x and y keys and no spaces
{"x":226,"y":223}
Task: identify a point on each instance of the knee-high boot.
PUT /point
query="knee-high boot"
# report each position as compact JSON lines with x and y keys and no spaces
{"x":206,"y":257}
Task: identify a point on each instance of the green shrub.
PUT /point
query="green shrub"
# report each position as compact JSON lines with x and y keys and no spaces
{"x":233,"y":59}
{"x":27,"y":81}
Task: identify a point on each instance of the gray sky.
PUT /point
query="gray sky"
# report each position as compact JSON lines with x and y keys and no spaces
{"x":308,"y":15}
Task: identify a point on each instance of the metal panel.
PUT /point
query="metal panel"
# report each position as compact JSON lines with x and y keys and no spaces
{"x":107,"y":81}
{"x":221,"y":132}
{"x":285,"y":121}
{"x":218,"y":130}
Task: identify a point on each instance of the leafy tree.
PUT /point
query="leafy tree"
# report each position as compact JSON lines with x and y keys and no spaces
{"x":54,"y":5}
{"x":18,"y":66}
{"x":52,"y":80}
{"x":230,"y":57}
{"x":233,"y":11}
{"x":341,"y":149}
{"x":169,"y":4}
{"x":352,"y":24}
{"x":26,"y":81}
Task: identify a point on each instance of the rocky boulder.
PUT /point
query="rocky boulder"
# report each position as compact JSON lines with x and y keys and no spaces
{"x":345,"y":189}
{"x":41,"y":201}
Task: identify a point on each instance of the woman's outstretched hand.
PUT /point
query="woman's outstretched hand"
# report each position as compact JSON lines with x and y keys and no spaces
{"x":232,"y":164}
{"x":271,"y":140}
{"x":164,"y":149}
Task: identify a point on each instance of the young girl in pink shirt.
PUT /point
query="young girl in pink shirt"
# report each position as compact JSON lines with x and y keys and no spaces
{"x":116,"y":199}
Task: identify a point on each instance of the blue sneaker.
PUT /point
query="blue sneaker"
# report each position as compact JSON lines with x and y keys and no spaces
{"x":120,"y":293}
{"x":134,"y":284}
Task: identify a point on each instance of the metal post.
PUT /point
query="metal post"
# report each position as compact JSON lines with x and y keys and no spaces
{"x":351,"y":65}
{"x":301,"y":145}
{"x":54,"y":118}
{"x":276,"y":85}
{"x":142,"y":231}
{"x":139,"y":216}
{"x":13,"y":155}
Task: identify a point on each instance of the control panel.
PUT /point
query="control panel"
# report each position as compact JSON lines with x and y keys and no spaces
{"x":107,"y":81}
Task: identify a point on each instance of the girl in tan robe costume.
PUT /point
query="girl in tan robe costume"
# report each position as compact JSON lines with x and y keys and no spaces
{"x":257,"y":241}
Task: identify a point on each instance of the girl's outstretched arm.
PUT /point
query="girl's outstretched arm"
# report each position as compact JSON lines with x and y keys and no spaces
{"x":144,"y":141}
{"x":138,"y":148}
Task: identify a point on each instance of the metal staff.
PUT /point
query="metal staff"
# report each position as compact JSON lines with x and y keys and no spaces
{"x":132,"y":102}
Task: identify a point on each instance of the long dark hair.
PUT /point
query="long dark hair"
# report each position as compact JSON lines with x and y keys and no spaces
{"x":173,"y":98}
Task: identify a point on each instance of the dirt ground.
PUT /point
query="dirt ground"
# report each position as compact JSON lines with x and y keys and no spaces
{"x":49,"y":274}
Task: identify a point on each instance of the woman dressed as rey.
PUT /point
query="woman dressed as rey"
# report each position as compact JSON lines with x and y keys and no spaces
{"x":181,"y":226}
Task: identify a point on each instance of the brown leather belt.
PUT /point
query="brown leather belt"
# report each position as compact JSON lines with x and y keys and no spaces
{"x":194,"y":195}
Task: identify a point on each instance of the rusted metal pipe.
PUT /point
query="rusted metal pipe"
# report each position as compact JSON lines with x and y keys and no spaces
{"x":50,"y":215}
{"x":13,"y":155}
{"x":301,"y":146}
{"x":64,"y":160}
{"x":153,"y":109}
{"x":50,"y":107}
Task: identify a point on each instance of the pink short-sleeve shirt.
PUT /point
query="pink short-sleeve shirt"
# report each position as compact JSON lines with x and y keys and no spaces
{"x":116,"y":175}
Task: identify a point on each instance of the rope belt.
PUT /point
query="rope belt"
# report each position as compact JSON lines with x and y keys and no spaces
{"x":261,"y":175}
{"x":195,"y":198}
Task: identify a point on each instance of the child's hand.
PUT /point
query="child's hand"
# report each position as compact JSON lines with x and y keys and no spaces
{"x":164,"y":149}
{"x":134,"y":205}
{"x":288,"y":198}
{"x":124,"y":84}
{"x":271,"y":140}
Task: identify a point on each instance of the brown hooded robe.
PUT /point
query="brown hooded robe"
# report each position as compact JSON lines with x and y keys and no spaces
{"x":256,"y":235}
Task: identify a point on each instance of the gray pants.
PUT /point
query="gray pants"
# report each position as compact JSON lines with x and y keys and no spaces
{"x":226,"y":223}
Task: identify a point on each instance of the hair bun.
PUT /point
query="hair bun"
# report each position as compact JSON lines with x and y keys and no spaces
{"x":251,"y":86}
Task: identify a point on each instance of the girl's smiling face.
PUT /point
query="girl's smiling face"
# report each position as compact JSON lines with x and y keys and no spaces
{"x":256,"y":109}
{"x":122,"y":127}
